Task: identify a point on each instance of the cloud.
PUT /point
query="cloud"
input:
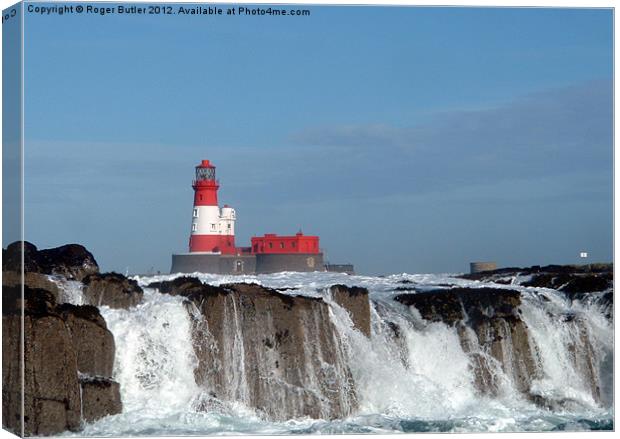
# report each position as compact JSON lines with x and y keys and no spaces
{"x":554,"y":132}
{"x":369,"y":135}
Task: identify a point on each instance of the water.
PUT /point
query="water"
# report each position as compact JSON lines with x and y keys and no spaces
{"x":420,"y":381}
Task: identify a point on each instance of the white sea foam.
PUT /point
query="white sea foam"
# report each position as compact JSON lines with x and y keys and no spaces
{"x":421,"y":381}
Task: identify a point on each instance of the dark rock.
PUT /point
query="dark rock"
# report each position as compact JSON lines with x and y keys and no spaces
{"x":571,"y":279}
{"x":56,"y":341}
{"x":355,"y":301}
{"x":399,"y":348}
{"x":92,"y":341}
{"x":111,"y":289}
{"x":404,"y":289}
{"x":294,"y":364}
{"x":100,"y":397}
{"x":32,"y":280}
{"x":545,"y":280}
{"x":51,"y":392}
{"x":588,"y":284}
{"x":12,"y":257}
{"x":182,"y":286}
{"x":492,"y":314}
{"x":434,"y":305}
{"x":448,"y":305}
{"x":490,"y":274}
{"x":72,"y":261}
{"x":12,"y":365}
{"x":571,"y":283}
{"x":583,"y":355}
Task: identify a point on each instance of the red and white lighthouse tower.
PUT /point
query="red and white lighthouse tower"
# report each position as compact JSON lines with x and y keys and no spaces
{"x":213,"y":229}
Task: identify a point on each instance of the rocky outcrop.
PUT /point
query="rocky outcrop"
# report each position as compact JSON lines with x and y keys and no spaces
{"x":61,"y":344}
{"x":278,"y":353}
{"x":111,"y":289}
{"x":584,"y":283}
{"x":99,"y":396}
{"x":570,"y":279}
{"x":572,"y":283}
{"x":71,"y":261}
{"x":355,"y":301}
{"x":492,"y":275}
{"x":183,"y":285}
{"x":488,"y":321}
{"x":32,"y":280}
{"x":93,"y":343}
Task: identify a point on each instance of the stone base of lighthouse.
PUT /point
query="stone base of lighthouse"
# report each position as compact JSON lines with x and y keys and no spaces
{"x":217,"y":263}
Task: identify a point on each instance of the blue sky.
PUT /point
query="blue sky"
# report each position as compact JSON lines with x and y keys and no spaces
{"x":409,"y":139}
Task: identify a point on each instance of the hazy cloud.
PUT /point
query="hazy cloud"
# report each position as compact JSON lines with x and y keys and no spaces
{"x":548,"y":133}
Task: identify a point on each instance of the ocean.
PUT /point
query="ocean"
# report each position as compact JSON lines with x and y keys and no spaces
{"x":425,"y":385}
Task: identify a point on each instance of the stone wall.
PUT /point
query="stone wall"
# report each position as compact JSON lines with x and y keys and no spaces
{"x":273,"y":263}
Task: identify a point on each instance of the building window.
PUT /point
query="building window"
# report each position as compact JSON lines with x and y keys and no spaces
{"x":212,"y":226}
{"x":271,"y":245}
{"x":293,"y":244}
{"x":281,"y":245}
{"x":228,"y":225}
{"x":194,"y":227}
{"x":195,"y":213}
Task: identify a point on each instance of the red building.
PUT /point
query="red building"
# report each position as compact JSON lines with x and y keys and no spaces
{"x":274,"y":244}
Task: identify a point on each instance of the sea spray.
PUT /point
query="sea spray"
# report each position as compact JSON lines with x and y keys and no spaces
{"x":71,"y":291}
{"x":154,"y":361}
{"x":410,"y":375}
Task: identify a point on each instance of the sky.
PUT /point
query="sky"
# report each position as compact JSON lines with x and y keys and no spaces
{"x":409,"y":139}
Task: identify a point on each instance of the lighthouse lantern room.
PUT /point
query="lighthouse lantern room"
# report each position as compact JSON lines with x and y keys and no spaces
{"x":213,"y":229}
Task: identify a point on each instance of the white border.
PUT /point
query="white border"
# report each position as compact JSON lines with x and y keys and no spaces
{"x":476,"y":3}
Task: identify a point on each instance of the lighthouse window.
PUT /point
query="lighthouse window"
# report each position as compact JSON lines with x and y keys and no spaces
{"x":205,"y":173}
{"x":212,"y":226}
{"x":195,"y":213}
{"x":228,"y":225}
{"x":194,"y":227}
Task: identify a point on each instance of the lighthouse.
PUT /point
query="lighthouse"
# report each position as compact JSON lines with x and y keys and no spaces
{"x":213,"y":229}
{"x":212,"y":240}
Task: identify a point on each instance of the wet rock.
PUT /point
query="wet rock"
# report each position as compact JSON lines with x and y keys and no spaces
{"x":51,"y":390}
{"x":56,"y":342}
{"x":434,"y":306}
{"x":488,"y":321}
{"x":100,"y":397}
{"x":277,"y":353}
{"x":32,"y":280}
{"x":11,"y":373}
{"x":572,"y":284}
{"x":183,"y":286}
{"x":111,"y":289}
{"x":584,"y":356}
{"x":573,"y":280}
{"x":393,"y":331}
{"x":92,"y":341}
{"x":72,"y":261}
{"x":12,"y":257}
{"x":591,"y":283}
{"x":355,"y":301}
